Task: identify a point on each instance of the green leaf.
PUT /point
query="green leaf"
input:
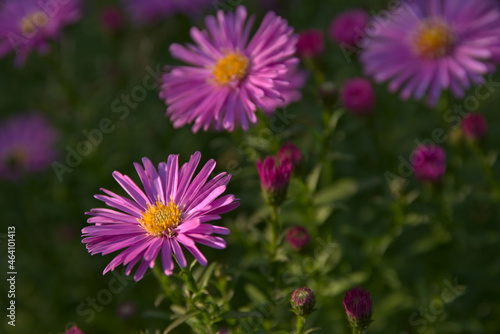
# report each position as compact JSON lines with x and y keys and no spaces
{"x":341,"y":189}
{"x":205,"y":278}
{"x":314,"y":329}
{"x":180,"y":321}
{"x":255,"y":294}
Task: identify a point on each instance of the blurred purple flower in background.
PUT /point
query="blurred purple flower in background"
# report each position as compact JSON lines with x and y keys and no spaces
{"x":474,"y":126}
{"x":290,"y":152}
{"x":26,"y":145}
{"x":434,"y":45}
{"x":112,"y":19}
{"x":310,"y":43}
{"x":29,"y":25}
{"x":230,"y":76}
{"x":145,"y":12}
{"x":348,"y":27}
{"x":358,"y":96}
{"x":172,"y":211}
{"x":298,"y":237}
{"x":429,"y":162}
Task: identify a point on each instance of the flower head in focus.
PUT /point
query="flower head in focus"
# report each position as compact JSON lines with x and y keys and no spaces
{"x":303,"y":301}
{"x":358,"y":308}
{"x":430,"y":46}
{"x":29,"y":25}
{"x":171,"y":212}
{"x":274,"y":179}
{"x":230,"y":74}
{"x":26,"y":145}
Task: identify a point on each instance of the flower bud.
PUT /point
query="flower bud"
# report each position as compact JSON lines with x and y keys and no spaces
{"x":358,"y":308}
{"x":298,"y":237}
{"x":474,"y":126}
{"x":274,"y":179}
{"x":303,"y":301}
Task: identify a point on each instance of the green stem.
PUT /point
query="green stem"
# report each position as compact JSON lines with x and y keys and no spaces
{"x":300,"y":324}
{"x":188,"y":278}
{"x":274,"y":230}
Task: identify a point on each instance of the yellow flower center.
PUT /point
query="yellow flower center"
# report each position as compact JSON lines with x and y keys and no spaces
{"x":161,"y":219}
{"x":433,"y":39}
{"x":29,"y":23}
{"x":232,"y":67}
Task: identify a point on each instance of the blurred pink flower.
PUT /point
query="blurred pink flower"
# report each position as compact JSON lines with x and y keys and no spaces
{"x":230,"y":76}
{"x":29,"y":25}
{"x":474,"y":126}
{"x":310,"y":43}
{"x":429,"y":163}
{"x":358,"y":96}
{"x":349,"y":26}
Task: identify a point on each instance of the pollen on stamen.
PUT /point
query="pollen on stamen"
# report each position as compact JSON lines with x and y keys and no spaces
{"x":232,"y":67}
{"x":161,"y":219}
{"x":433,"y":39}
{"x":29,"y":23}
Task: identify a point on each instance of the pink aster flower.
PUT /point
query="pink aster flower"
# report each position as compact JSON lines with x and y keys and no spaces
{"x":429,"y":162}
{"x":172,"y":211}
{"x":358,"y":96}
{"x":434,"y":45}
{"x":29,"y":25}
{"x":310,"y":43}
{"x":274,"y":178}
{"x":298,"y":237}
{"x":146,"y":12}
{"x":474,"y":126}
{"x":358,"y":307}
{"x":348,"y":27}
{"x":290,"y":152}
{"x":26,"y":145}
{"x":230,"y":75}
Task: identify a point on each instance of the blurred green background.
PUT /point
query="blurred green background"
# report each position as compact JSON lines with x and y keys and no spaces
{"x":409,"y":244}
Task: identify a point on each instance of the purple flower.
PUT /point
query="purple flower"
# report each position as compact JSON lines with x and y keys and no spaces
{"x":358,"y":96}
{"x":74,"y":330}
{"x":358,"y":307}
{"x":291,"y":153}
{"x":434,"y":45}
{"x":429,"y":163}
{"x":111,"y":19}
{"x":298,"y":237}
{"x":26,"y":145}
{"x":349,"y":26}
{"x":310,"y":43}
{"x":303,"y":301}
{"x":173,"y":210}
{"x":274,"y":179}
{"x":230,"y":75}
{"x":29,"y":25}
{"x":474,"y":126}
{"x":146,"y":12}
